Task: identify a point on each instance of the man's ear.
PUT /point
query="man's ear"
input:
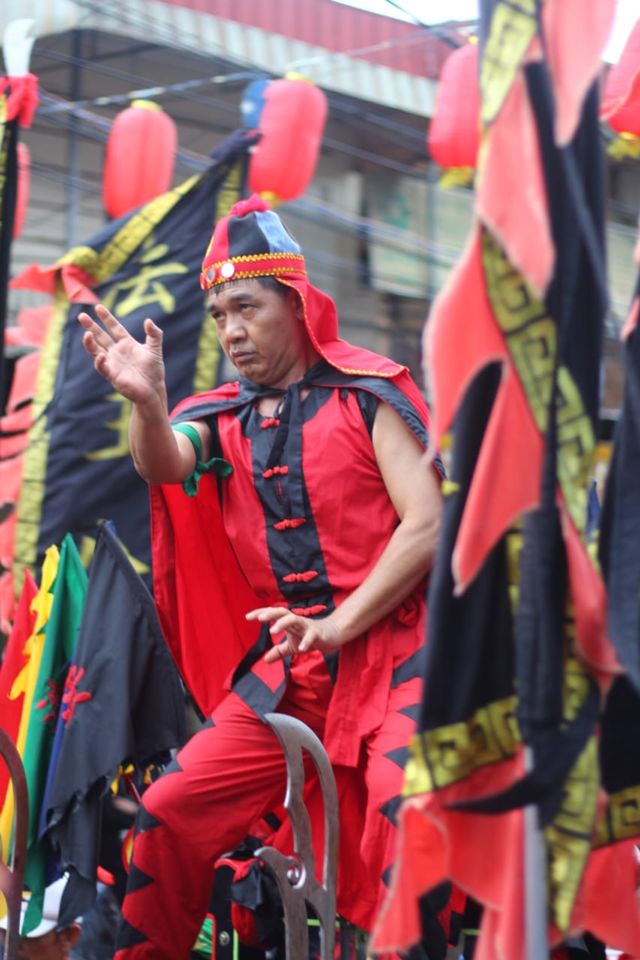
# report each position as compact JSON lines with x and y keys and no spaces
{"x":297,"y":305}
{"x":69,"y":936}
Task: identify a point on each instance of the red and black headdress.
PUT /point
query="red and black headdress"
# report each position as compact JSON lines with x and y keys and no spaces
{"x":252,"y":241}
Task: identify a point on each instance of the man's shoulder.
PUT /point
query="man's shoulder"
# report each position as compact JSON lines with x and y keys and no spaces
{"x":209,"y":402}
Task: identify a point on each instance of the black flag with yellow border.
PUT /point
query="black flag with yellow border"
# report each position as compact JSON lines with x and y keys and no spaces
{"x":77,"y":467}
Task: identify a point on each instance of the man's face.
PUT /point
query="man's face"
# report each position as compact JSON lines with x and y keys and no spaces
{"x":54,"y":945}
{"x":261,"y":332}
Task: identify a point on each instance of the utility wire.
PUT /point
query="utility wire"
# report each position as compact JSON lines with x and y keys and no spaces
{"x":338,"y":103}
{"x":146,"y":93}
{"x":434,"y":29}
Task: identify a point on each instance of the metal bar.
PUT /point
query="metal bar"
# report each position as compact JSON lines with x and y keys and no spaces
{"x":296,"y":876}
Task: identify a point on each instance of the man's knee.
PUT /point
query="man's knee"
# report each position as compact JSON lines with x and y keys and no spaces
{"x":162,"y":802}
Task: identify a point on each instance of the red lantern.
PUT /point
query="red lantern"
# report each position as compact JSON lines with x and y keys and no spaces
{"x":454,"y":132}
{"x":140,"y":157}
{"x":22,"y":193}
{"x":621,"y":100}
{"x":292,"y":123}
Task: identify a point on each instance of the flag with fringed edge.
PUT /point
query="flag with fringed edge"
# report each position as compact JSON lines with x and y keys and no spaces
{"x":530,"y":297}
{"x":123,"y":702}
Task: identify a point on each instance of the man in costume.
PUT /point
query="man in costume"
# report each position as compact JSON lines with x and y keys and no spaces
{"x":49,"y":940}
{"x":294,"y":521}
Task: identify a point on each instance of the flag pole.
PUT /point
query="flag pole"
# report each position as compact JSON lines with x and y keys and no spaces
{"x":535,"y":882}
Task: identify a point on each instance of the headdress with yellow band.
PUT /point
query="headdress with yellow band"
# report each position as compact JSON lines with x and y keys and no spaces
{"x":251,"y":242}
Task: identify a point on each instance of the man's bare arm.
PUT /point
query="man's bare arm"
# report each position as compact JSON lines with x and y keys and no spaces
{"x":136,"y":370}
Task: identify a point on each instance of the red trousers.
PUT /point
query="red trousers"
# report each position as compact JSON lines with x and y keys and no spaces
{"x":230,"y":774}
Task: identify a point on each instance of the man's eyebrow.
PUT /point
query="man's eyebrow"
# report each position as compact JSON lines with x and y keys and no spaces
{"x":241,"y":294}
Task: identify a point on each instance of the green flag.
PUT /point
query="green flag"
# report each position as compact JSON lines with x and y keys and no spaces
{"x":61,"y":633}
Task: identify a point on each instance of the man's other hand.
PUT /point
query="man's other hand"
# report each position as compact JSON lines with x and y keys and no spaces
{"x":300,"y":633}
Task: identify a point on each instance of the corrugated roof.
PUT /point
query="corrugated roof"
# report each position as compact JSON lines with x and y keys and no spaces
{"x":347,"y":51}
{"x":384,"y":41}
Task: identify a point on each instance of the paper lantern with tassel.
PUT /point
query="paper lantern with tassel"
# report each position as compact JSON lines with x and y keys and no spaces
{"x":140,"y":157}
{"x":454,"y":132}
{"x":291,"y":123}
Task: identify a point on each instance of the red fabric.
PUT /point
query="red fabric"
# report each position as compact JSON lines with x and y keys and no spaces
{"x":588,"y":593}
{"x":607,"y":904}
{"x":574,"y":55}
{"x":463,"y":337}
{"x":621,"y":98}
{"x":435,"y":845}
{"x":229,"y":775}
{"x":12,"y":663}
{"x":23,"y":382}
{"x":516,"y":217}
{"x":22,"y":98}
{"x":77,"y":283}
{"x":200,"y":592}
{"x":240,"y":578}
{"x":13,"y":433}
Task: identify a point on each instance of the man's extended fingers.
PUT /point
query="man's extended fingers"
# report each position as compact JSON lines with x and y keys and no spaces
{"x":153,"y":333}
{"x":100,"y":337}
{"x":266,"y":614}
{"x":89,"y":343}
{"x":276,"y":653}
{"x":113,"y":325}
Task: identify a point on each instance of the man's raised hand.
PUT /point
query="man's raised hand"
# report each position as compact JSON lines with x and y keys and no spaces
{"x":134,"y":369}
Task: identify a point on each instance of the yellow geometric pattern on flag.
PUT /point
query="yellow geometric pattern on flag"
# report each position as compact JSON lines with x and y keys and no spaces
{"x":448,"y":754}
{"x":512,"y":28}
{"x":530,"y":335}
{"x":621,"y":817}
{"x":569,"y":836}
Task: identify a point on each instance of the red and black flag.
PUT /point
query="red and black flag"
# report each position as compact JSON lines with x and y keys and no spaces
{"x":468,"y":742}
{"x":18,"y":101}
{"x":122,"y":704}
{"x":529,"y":297}
{"x":77,"y":468}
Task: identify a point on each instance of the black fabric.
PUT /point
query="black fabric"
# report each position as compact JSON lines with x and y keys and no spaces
{"x":321,"y":374}
{"x":245,"y":236}
{"x":469,"y":656}
{"x":8,"y":197}
{"x":88,"y":473}
{"x":129,"y":708}
{"x":576,"y":301}
{"x":620,"y":518}
{"x":258,"y":891}
{"x":433,"y":945}
{"x":620,"y":737}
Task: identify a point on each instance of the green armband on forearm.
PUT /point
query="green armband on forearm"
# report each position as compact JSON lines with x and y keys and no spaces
{"x":220,"y":466}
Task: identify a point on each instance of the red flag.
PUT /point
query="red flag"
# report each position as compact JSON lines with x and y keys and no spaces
{"x":13,"y":661}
